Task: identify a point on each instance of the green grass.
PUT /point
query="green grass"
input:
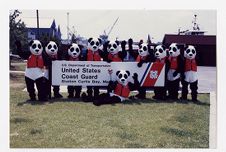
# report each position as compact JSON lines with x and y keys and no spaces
{"x":137,"y":124}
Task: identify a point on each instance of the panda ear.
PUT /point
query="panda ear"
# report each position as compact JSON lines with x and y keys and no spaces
{"x":100,"y":40}
{"x":31,"y":42}
{"x":90,"y":39}
{"x":164,"y":47}
{"x":128,"y":73}
{"x":117,"y":73}
{"x":117,"y":42}
{"x":80,"y":47}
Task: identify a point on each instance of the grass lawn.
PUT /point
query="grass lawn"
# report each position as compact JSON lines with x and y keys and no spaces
{"x":137,"y":124}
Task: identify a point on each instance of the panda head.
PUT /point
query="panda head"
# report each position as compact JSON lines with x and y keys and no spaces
{"x":190,"y":52}
{"x":174,"y":50}
{"x":143,"y":50}
{"x":160,"y":52}
{"x":35,"y":47}
{"x":74,"y":50}
{"x":51,"y":48}
{"x":122,"y":76}
{"x":113,"y":47}
{"x":94,"y":44}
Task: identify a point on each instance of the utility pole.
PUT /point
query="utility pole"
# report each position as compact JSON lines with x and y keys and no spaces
{"x":38,"y":36}
{"x":68,"y":26}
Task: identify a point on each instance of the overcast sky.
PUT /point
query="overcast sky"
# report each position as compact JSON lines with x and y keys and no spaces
{"x":132,"y":23}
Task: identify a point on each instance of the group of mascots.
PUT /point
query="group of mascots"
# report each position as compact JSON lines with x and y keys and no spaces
{"x":179,"y":60}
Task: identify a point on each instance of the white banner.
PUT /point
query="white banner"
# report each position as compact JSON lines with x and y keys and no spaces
{"x":91,"y":73}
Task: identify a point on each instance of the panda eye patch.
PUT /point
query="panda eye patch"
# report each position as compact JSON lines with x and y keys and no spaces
{"x":120,"y":76}
{"x":39,"y":46}
{"x":125,"y":76}
{"x":77,"y":50}
{"x":193,"y":51}
{"x":174,"y":49}
{"x":54,"y":46}
{"x":97,"y":43}
{"x":187,"y":51}
{"x":109,"y":45}
{"x":72,"y":49}
{"x":145,"y":48}
{"x":115,"y":46}
{"x":49,"y":46}
{"x":34,"y":46}
{"x":160,"y":50}
{"x":92,"y":43}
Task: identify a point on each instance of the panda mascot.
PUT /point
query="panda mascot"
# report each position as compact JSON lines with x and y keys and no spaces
{"x":145,"y":55}
{"x":34,"y":70}
{"x":74,"y":54}
{"x":175,"y":69}
{"x":189,"y":76}
{"x":94,"y":53}
{"x":121,"y":89}
{"x":161,"y":58}
{"x":114,"y":52}
{"x":51,"y":53}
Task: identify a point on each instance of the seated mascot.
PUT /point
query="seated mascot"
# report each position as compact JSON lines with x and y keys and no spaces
{"x":51,"y":53}
{"x":189,"y":76}
{"x":94,"y":53}
{"x":121,"y":88}
{"x":74,"y":54}
{"x":34,"y":70}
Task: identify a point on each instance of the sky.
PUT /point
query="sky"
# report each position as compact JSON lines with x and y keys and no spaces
{"x":136,"y":24}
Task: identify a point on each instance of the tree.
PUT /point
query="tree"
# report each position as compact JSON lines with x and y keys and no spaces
{"x":17,"y":31}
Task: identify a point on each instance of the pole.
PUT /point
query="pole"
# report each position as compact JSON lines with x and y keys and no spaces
{"x":37,"y":24}
{"x":68,"y":26}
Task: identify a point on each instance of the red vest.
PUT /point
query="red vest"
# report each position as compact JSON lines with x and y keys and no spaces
{"x":190,"y":65}
{"x":114,"y":57}
{"x":173,"y":62}
{"x":93,"y":56}
{"x":162,"y":60}
{"x":122,"y":90}
{"x":73,"y":59}
{"x":139,"y":58}
{"x":35,"y":61}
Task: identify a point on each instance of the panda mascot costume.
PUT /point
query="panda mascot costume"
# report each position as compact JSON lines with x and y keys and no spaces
{"x":121,"y":89}
{"x":189,"y":76}
{"x":161,"y":58}
{"x":74,"y":54}
{"x":51,"y":53}
{"x":34,"y":70}
{"x":114,"y":52}
{"x":145,"y":55}
{"x":175,"y":69}
{"x":94,"y":53}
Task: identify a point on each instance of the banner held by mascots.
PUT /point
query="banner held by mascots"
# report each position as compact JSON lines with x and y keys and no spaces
{"x":89,"y":73}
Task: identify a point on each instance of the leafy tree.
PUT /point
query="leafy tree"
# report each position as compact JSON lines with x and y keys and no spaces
{"x":17,"y":31}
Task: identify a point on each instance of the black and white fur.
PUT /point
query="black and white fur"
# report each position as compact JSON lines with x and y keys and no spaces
{"x":173,"y":75}
{"x":189,"y":77}
{"x":122,"y":78}
{"x":95,"y":45}
{"x":113,"y":48}
{"x":145,"y":51}
{"x":160,"y":53}
{"x":74,"y":52}
{"x":33,"y":75}
{"x":51,"y":53}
